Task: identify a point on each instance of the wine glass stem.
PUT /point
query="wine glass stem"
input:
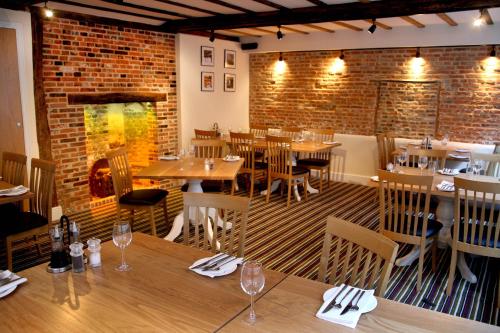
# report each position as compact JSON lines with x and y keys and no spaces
{"x":252,"y":311}
{"x":123,"y":256}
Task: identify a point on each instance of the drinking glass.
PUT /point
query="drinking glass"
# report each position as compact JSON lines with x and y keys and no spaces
{"x":434,"y":165}
{"x":252,"y":282}
{"x":422,"y":163}
{"x":445,"y":139}
{"x":402,"y":158}
{"x":122,"y":237}
{"x":477,"y":166}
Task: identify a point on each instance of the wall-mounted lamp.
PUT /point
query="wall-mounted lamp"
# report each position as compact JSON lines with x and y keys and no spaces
{"x":493,"y":52}
{"x":47,"y":11}
{"x":417,"y":53}
{"x":373,"y":27}
{"x":281,"y":57}
{"x":279,"y":34}
{"x":342,"y":56}
{"x":212,"y":36}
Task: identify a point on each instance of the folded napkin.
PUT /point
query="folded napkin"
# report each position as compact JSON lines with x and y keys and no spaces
{"x":231,"y":158}
{"x":449,"y":172}
{"x":227,"y":266}
{"x":446,"y":186}
{"x":330,"y":142}
{"x":169,"y":158}
{"x":458,"y":156}
{"x":350,"y":319}
{"x":16,"y":281}
{"x":13,"y":191}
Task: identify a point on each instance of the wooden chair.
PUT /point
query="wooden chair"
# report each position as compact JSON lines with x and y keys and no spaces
{"x":439,"y":155}
{"x":208,"y":148}
{"x":234,"y":211}
{"x":370,"y":249}
{"x":290,"y":132}
{"x":320,"y":161}
{"x":243,"y":146}
{"x":492,"y":167}
{"x":130,"y":199}
{"x":477,"y":221}
{"x":29,"y":225}
{"x":280,"y":165}
{"x":259,"y":130}
{"x":406,"y":221}
{"x":203,"y":134}
{"x":386,"y":145}
{"x":13,"y":168}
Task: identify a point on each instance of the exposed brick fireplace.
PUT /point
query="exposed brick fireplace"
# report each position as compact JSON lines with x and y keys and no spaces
{"x":84,"y":59}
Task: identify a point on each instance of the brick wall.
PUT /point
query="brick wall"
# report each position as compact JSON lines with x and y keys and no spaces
{"x":306,"y":94}
{"x":81,"y":57}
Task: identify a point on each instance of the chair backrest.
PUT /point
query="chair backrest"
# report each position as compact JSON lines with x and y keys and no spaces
{"x":383,"y":157}
{"x":492,"y":167}
{"x":42,"y":185}
{"x":120,"y":172}
{"x":203,"y":134}
{"x":291,"y":132}
{"x":208,"y":148}
{"x":477,"y":216}
{"x":403,"y":196}
{"x":231,"y":209}
{"x":374,"y":253}
{"x":439,"y":155}
{"x":496,"y":150}
{"x":279,"y":154}
{"x":13,"y":168}
{"x":243,"y":146}
{"x":259,"y":130}
{"x":322,"y":135}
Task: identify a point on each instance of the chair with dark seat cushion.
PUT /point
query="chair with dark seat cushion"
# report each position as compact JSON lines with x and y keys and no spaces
{"x":402,"y":217}
{"x":130,"y":199}
{"x":280,"y":165}
{"x":29,"y":225}
{"x":322,"y":160}
{"x":14,"y":173}
{"x":476,"y":221}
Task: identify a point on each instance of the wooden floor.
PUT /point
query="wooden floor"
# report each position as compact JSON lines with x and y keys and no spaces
{"x":290,"y":240}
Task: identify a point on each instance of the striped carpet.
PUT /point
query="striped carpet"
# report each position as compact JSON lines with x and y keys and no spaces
{"x":290,"y":241}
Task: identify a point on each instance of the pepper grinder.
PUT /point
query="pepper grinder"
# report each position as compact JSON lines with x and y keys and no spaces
{"x":94,"y":247}
{"x":77,"y":257}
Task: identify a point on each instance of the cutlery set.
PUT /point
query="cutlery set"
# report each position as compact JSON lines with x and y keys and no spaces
{"x":353,"y":303}
{"x":216,"y":263}
{"x":451,"y":172}
{"x":447,"y":187}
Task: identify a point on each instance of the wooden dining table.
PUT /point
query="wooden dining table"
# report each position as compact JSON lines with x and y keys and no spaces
{"x":12,"y":199}
{"x":160,"y":294}
{"x":193,"y":170}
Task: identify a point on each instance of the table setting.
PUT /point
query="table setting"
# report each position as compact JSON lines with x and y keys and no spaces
{"x":218,"y":265}
{"x":9,"y":282}
{"x":14,"y":191}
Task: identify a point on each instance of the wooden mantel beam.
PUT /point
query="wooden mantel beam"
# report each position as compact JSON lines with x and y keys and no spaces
{"x":316,"y":14}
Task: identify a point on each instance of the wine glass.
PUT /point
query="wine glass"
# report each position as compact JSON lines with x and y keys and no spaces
{"x":477,"y":166}
{"x":422,"y":163}
{"x":445,"y":139}
{"x":402,"y":158}
{"x":122,"y":237}
{"x":252,"y":282}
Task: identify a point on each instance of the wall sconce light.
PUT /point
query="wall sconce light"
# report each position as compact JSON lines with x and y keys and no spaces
{"x":417,"y":53}
{"x":279,"y":34}
{"x":493,"y":52}
{"x":281,"y":57}
{"x":47,"y":11}
{"x":373,"y":27}
{"x":342,"y":56}
{"x":212,"y":36}
{"x":280,"y":65}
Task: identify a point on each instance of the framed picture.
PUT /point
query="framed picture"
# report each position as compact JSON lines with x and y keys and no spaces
{"x":207,"y":56}
{"x":229,"y":82}
{"x":229,"y":59}
{"x":207,"y":81}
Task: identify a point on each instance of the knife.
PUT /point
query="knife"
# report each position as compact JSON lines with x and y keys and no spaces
{"x":332,"y":302}
{"x":218,"y":264}
{"x":4,"y":283}
{"x":211,"y":261}
{"x":349,"y":306}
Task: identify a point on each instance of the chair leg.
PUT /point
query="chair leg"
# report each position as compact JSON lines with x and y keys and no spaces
{"x":306,"y":180}
{"x":289,"y":192}
{"x":328,"y":176}
{"x":152,"y":220}
{"x":252,"y":181}
{"x":268,"y":189}
{"x":233,"y":185}
{"x":8,"y":244}
{"x":434,"y":254}
{"x":451,"y":275}
{"x":321,"y":176}
{"x":420,"y":267}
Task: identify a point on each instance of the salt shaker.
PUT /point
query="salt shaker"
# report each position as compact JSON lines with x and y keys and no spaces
{"x":207,"y":164}
{"x":212,"y":163}
{"x":77,"y":257}
{"x":94,"y":247}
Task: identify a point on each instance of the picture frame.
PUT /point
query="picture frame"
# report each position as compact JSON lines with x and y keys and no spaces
{"x":229,"y":59}
{"x":207,"y":81}
{"x":207,"y":55}
{"x":229,"y":82}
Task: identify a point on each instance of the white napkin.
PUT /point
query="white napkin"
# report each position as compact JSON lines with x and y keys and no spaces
{"x":169,"y":158}
{"x":449,"y":172}
{"x":225,"y":269}
{"x":458,"y":156}
{"x":446,"y":186}
{"x":349,"y":319}
{"x":330,"y":142}
{"x":8,"y":286}
{"x":18,"y":190}
{"x":231,"y":158}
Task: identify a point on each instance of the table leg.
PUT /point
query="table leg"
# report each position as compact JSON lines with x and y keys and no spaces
{"x":274,"y":186}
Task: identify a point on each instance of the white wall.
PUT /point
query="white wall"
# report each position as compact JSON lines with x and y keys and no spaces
{"x":200,"y":109}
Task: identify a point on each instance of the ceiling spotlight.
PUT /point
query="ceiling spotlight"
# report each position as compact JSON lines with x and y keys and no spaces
{"x":212,"y":36}
{"x":279,"y":34}
{"x":481,"y":19}
{"x":493,"y":52}
{"x":373,"y":27}
{"x":47,"y":11}
{"x":417,"y":53}
{"x":342,"y":56}
{"x":281,"y":57}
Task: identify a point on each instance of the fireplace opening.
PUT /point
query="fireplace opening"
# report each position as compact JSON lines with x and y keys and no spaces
{"x":100,"y":180}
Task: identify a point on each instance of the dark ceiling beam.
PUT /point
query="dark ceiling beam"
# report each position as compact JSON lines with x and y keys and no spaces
{"x":264,"y":30}
{"x":182,"y":5}
{"x":217,"y":36}
{"x":230,"y":5}
{"x":318,"y":2}
{"x":338,"y":12}
{"x":486,"y":15}
{"x":153,"y":10}
{"x":380,"y":24}
{"x":18,"y":4}
{"x":271,"y":4}
{"x":294,"y":30}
